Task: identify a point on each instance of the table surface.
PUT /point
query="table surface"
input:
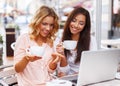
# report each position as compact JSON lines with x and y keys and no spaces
{"x":115,"y":82}
{"x":112,"y":42}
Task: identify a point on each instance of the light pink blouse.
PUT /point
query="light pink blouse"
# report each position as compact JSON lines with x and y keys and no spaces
{"x":36,"y":72}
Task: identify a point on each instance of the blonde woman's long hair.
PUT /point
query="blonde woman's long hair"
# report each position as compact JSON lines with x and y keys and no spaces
{"x":40,"y":14}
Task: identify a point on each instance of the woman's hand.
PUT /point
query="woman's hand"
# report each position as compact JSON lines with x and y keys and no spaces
{"x":60,"y":48}
{"x":32,"y":58}
{"x":61,"y":74}
{"x":20,"y":66}
{"x":57,"y":57}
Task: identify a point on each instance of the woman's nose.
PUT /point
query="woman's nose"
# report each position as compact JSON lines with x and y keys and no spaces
{"x":76,"y":24}
{"x":48,"y":27}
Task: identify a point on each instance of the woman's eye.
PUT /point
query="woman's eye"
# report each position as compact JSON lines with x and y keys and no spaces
{"x":51,"y":25}
{"x":44,"y":23}
{"x":82,"y":23}
{"x":73,"y":20}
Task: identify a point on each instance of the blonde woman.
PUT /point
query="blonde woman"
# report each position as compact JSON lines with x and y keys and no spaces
{"x":34,"y":70}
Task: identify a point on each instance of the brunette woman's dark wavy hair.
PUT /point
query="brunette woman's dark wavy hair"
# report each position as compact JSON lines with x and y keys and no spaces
{"x":84,"y":36}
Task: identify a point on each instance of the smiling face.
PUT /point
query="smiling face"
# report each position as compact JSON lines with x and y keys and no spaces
{"x":46,"y":26}
{"x":77,"y":24}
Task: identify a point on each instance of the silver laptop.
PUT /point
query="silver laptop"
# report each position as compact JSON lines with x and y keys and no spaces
{"x":98,"y":66}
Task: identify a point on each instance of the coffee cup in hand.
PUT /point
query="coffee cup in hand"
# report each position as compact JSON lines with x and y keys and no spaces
{"x":69,"y":44}
{"x":35,"y":50}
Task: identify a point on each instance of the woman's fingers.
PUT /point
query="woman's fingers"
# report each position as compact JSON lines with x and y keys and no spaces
{"x":34,"y":58}
{"x":57,"y":60}
{"x":58,"y":54}
{"x":57,"y":57}
{"x":54,"y":56}
{"x":61,"y":74}
{"x":60,"y":48}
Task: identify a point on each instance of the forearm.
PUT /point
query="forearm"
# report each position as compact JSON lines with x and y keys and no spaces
{"x":63,"y":62}
{"x":21,"y":65}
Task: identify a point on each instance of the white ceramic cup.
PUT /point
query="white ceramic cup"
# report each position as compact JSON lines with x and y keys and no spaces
{"x":35,"y":50}
{"x":69,"y":44}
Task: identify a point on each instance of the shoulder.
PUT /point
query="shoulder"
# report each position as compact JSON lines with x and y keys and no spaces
{"x":24,"y":35}
{"x":22,"y":38}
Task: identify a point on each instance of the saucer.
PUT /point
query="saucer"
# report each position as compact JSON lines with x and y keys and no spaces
{"x":58,"y":82}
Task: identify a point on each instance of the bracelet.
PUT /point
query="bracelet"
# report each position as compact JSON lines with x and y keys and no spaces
{"x":27,"y":58}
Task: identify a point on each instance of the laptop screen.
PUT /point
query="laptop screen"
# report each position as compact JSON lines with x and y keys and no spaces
{"x":97,"y":66}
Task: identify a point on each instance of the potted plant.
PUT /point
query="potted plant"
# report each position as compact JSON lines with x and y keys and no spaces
{"x":1,"y":48}
{"x":1,"y":39}
{"x":15,"y":27}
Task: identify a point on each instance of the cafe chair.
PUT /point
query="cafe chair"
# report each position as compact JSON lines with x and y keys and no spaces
{"x":8,"y":76}
{"x":12,"y":45}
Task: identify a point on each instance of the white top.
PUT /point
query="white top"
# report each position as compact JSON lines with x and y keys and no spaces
{"x":36,"y":72}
